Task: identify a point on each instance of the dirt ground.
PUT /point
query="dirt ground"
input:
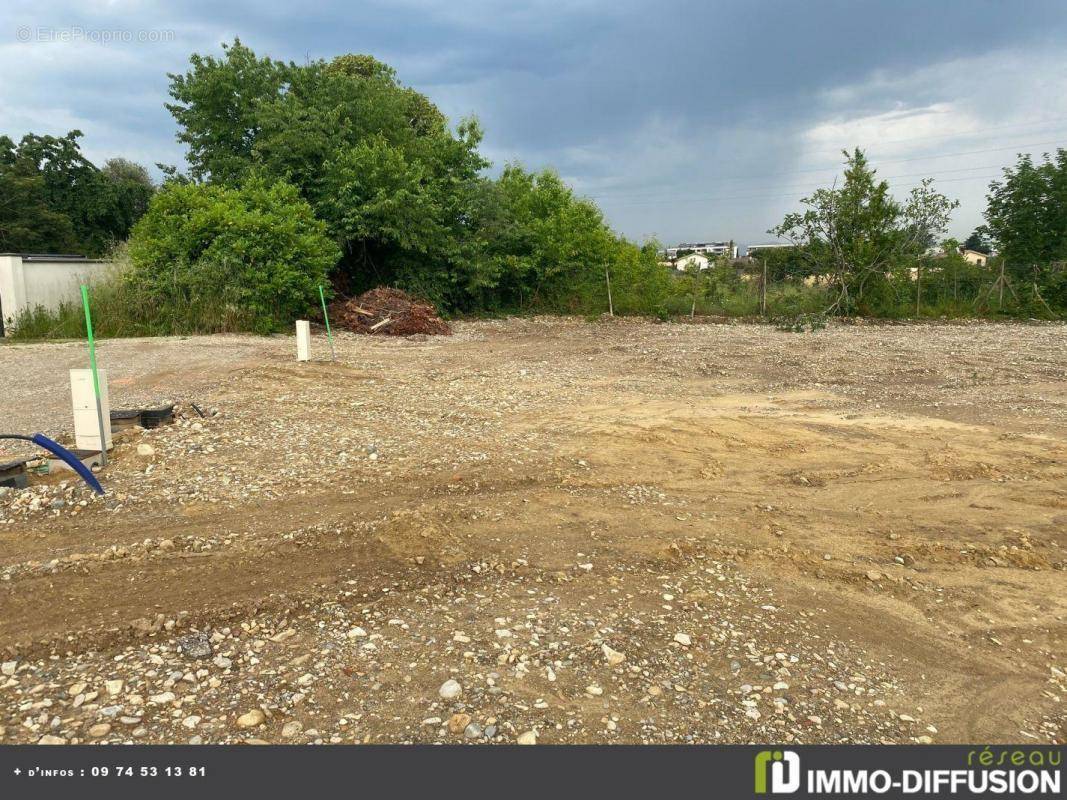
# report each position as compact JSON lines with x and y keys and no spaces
{"x":601,"y":532}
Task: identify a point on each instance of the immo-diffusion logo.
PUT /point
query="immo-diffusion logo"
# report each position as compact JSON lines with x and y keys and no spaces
{"x":1018,"y":771}
{"x":783,"y":767}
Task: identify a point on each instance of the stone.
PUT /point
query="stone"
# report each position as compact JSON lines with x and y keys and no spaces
{"x":614,"y":657}
{"x":195,"y":645}
{"x":77,"y":688}
{"x":191,"y":721}
{"x":458,"y":723}
{"x":529,"y":737}
{"x":50,"y":739}
{"x":114,"y":687}
{"x":450,"y":690}
{"x":291,"y":729}
{"x":683,"y":639}
{"x":251,"y":719}
{"x":9,"y":667}
{"x":161,"y":698}
{"x":144,"y":450}
{"x":473,"y":731}
{"x":99,"y":730}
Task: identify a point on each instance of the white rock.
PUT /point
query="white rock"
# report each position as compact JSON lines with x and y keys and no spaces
{"x":613,"y":656}
{"x":145,"y":450}
{"x":114,"y":687}
{"x":9,"y":667}
{"x":683,"y":639}
{"x":530,"y":737}
{"x":450,"y":690}
{"x":191,"y":722}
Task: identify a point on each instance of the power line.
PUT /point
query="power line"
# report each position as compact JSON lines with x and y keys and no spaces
{"x":879,"y":161}
{"x":925,"y":174}
{"x":959,"y":135}
{"x":794,"y":194}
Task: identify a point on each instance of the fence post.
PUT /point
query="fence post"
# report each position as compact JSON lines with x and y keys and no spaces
{"x":763,"y":291}
{"x":611,"y":307}
{"x":326,"y":316}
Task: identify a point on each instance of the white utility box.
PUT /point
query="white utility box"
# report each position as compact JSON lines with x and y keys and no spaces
{"x":303,"y":340}
{"x":86,"y":420}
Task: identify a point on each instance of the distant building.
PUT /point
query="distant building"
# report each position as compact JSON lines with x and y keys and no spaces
{"x":970,"y":256}
{"x":704,"y":248}
{"x":974,"y":257}
{"x":698,"y":260}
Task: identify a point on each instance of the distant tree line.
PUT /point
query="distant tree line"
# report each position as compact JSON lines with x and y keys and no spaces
{"x":877,"y":256}
{"x":53,"y":199}
{"x":334,"y":173}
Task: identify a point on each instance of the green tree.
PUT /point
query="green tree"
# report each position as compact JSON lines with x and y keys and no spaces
{"x":131,"y":190}
{"x":696,"y":283}
{"x":257,"y":247}
{"x":27,"y":221}
{"x":401,"y":192}
{"x":217,"y":106}
{"x":55,"y":199}
{"x":978,"y":243}
{"x":1026,"y":215}
{"x":858,"y":234}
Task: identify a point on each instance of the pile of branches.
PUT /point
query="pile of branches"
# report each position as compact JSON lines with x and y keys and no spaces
{"x":389,"y":312}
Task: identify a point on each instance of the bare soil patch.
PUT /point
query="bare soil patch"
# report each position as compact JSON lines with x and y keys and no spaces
{"x":604,"y":532}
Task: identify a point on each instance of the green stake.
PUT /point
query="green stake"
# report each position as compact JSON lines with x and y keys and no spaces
{"x":96,"y":378}
{"x":326,"y":317}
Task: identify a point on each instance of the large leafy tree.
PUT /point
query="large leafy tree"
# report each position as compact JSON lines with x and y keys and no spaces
{"x":218,"y":106}
{"x":1026,"y":215}
{"x":857,"y":233}
{"x":376,"y":160}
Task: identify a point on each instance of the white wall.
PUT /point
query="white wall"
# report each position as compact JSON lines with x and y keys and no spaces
{"x":30,"y":281}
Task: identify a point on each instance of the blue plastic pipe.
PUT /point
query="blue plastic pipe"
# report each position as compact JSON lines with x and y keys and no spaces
{"x":63,"y":453}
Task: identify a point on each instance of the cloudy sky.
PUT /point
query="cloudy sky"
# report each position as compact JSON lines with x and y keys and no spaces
{"x":683,"y":120}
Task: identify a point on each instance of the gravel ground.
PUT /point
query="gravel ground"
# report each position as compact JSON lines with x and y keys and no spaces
{"x":549,"y":531}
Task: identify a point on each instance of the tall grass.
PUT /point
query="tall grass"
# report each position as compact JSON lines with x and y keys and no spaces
{"x":121,"y":308}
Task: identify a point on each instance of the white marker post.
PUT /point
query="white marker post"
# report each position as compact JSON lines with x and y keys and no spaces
{"x":303,"y":340}
{"x":87,"y":414}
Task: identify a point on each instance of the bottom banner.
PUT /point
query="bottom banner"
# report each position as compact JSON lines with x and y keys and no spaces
{"x":516,"y":772}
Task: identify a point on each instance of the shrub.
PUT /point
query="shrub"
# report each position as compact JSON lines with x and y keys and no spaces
{"x":257,"y":249}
